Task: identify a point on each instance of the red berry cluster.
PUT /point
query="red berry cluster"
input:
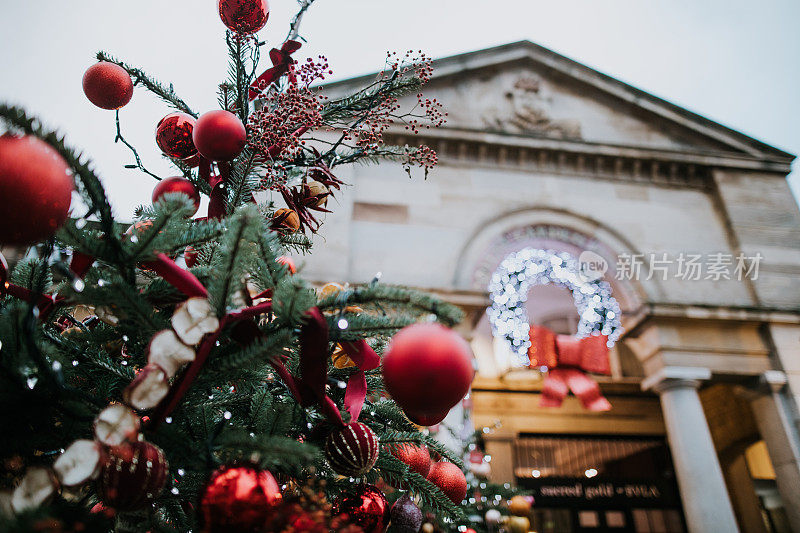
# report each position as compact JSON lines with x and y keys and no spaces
{"x":276,"y":128}
{"x":366,"y":133}
{"x":422,"y":156}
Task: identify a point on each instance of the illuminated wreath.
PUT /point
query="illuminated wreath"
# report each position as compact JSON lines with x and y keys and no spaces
{"x":599,"y":312}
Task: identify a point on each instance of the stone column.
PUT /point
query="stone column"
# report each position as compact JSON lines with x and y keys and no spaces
{"x":772,"y":415}
{"x":705,"y":498}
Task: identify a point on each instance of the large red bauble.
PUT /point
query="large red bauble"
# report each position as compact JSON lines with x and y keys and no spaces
{"x":366,"y":508}
{"x":174,"y":135}
{"x":132,"y":476}
{"x":35,"y":190}
{"x":107,"y":85}
{"x":450,"y":479}
{"x":219,"y":135}
{"x":418,"y":458}
{"x":427,"y":369}
{"x":352,"y":450}
{"x":177,"y":184}
{"x":244,"y":16}
{"x":427,"y":419}
{"x":241,"y":498}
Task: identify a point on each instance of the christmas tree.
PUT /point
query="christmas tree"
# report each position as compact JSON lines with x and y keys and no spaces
{"x":178,"y":373}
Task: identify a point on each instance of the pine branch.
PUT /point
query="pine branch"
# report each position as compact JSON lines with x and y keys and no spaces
{"x":292,"y":298}
{"x":400,"y":298}
{"x":263,"y":350}
{"x":240,"y":186}
{"x":167,"y":94}
{"x":229,"y":262}
{"x":397,"y":473}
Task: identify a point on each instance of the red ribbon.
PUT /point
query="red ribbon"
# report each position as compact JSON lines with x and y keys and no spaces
{"x":178,"y":277}
{"x":80,"y":264}
{"x":281,"y":61}
{"x":568,"y":359}
{"x":365,"y":358}
{"x":314,"y":369}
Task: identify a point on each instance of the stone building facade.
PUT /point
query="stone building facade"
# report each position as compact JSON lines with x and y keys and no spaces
{"x":542,"y":152}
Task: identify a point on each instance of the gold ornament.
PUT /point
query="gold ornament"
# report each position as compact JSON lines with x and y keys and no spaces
{"x":316,"y":188}
{"x":341,"y":359}
{"x":518,"y":524}
{"x":519,"y":506}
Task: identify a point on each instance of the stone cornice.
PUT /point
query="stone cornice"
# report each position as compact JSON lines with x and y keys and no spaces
{"x":700,"y":312}
{"x":475,"y":148}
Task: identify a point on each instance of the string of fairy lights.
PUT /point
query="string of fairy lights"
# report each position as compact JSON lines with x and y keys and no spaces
{"x":599,"y":312}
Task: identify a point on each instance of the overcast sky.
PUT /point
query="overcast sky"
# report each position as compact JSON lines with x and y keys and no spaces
{"x":734,"y":61}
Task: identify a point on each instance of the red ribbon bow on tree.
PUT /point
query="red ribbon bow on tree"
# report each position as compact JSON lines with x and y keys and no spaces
{"x":281,"y":61}
{"x":568,"y":359}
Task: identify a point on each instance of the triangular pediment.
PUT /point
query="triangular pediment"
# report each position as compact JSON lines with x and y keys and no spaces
{"x":524,"y":90}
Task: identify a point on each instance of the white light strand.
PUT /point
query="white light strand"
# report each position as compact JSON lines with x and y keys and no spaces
{"x":599,"y":312}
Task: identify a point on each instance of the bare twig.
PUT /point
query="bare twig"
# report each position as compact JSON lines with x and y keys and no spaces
{"x":294,"y":28}
{"x":139,"y":164}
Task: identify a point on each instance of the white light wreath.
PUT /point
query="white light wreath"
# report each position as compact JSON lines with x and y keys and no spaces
{"x":599,"y":312}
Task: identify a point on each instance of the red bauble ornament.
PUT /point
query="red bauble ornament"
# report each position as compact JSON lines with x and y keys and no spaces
{"x":219,"y":135}
{"x":132,"y":476}
{"x":352,"y":450}
{"x":427,"y":419}
{"x":107,"y":85}
{"x":35,"y":190}
{"x":174,"y":136}
{"x":418,"y":458}
{"x":366,"y":508}
{"x":240,"y":498}
{"x":427,"y":369}
{"x":450,"y":479}
{"x":244,"y":16}
{"x":288,"y":262}
{"x":190,"y":256}
{"x":177,"y":184}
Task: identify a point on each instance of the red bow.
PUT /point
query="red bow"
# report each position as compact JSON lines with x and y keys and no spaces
{"x":568,"y":359}
{"x":281,"y":60}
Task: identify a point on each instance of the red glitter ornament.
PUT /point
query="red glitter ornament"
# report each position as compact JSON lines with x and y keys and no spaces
{"x":35,"y":190}
{"x":174,"y":135}
{"x":367,"y":508}
{"x":132,"y":476}
{"x":244,"y":16}
{"x":219,"y":135}
{"x":352,"y":450}
{"x":418,"y":458}
{"x":177,"y":184}
{"x":240,"y":498}
{"x":450,"y":479}
{"x":427,"y":369}
{"x":107,"y":85}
